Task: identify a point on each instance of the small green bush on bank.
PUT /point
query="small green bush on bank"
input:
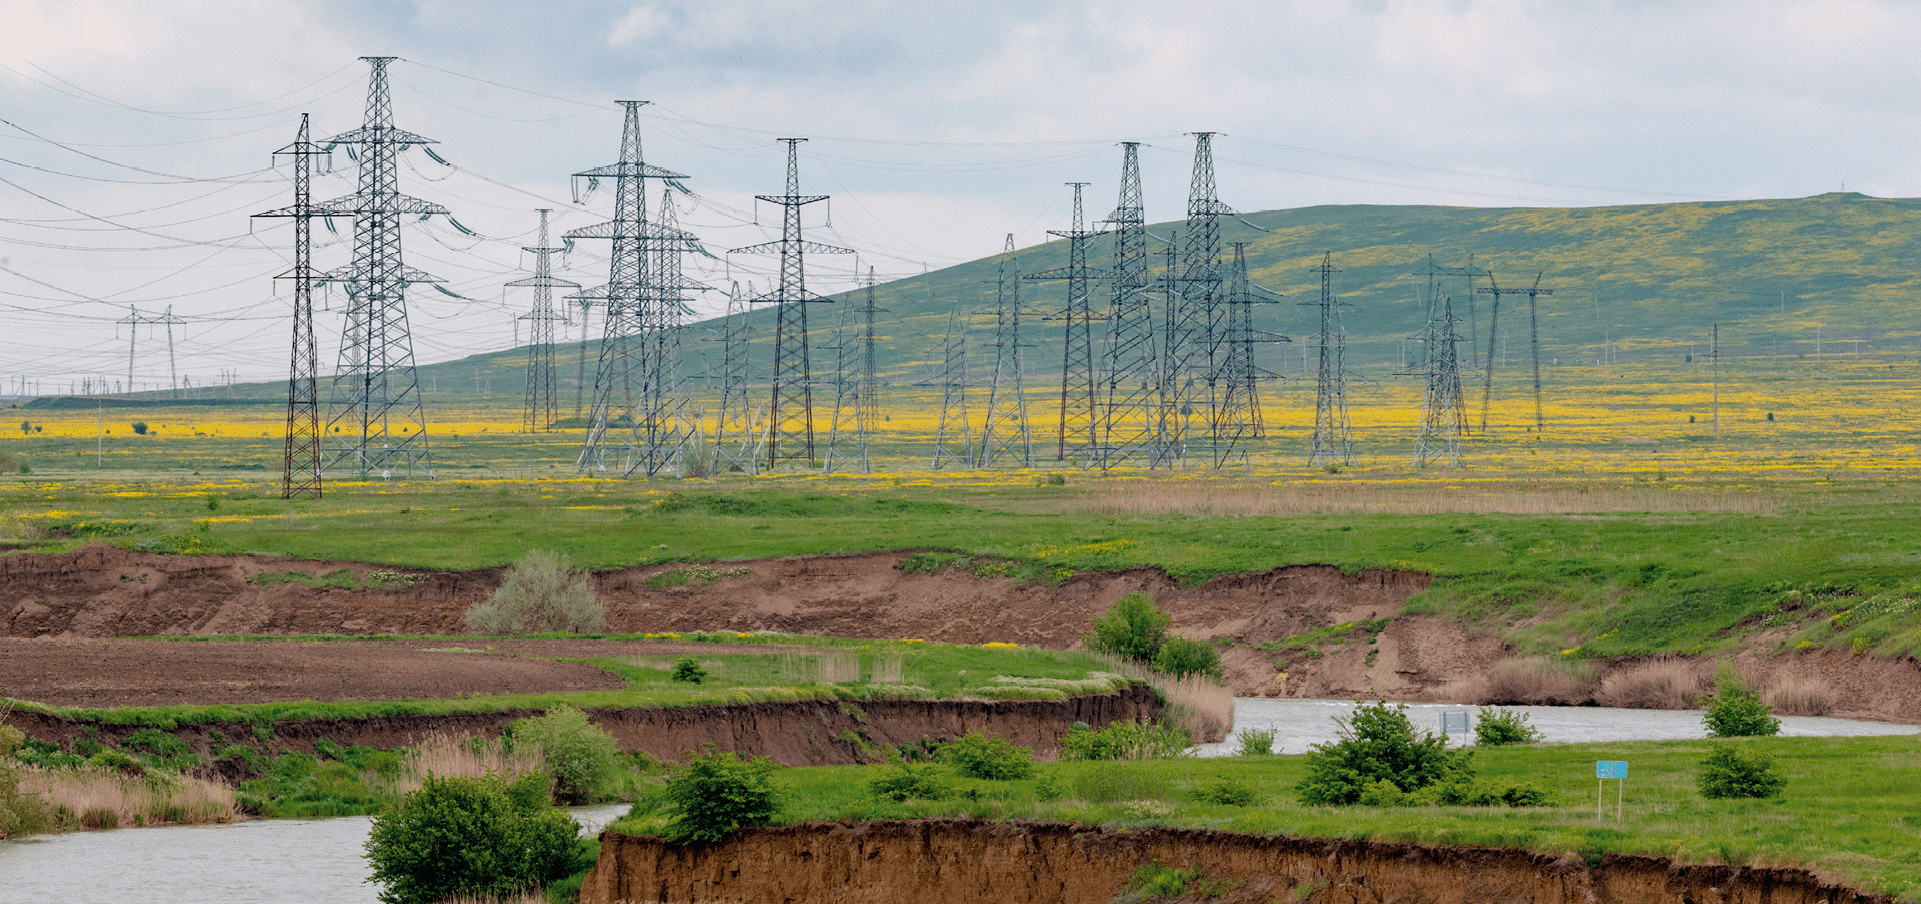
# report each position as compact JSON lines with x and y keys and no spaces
{"x":472,"y":837}
{"x":717,"y":794}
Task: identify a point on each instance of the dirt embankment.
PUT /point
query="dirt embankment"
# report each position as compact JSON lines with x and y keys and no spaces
{"x":811,"y":733}
{"x":939,"y":861}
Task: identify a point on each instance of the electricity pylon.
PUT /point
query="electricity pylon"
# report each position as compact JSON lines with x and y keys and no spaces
{"x":1333,"y":442}
{"x":737,"y":418}
{"x":375,"y":425}
{"x":1534,"y":342}
{"x":1237,"y":416}
{"x":847,"y":438}
{"x":1196,"y":323}
{"x":300,"y":464}
{"x":1078,"y":396}
{"x":1128,"y":360}
{"x":954,"y":432}
{"x":1004,"y":431}
{"x":664,"y":426}
{"x":630,"y":300}
{"x":1443,"y":409}
{"x":541,"y":409}
{"x":791,"y":410}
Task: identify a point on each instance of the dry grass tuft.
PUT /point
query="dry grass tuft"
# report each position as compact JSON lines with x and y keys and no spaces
{"x":447,"y":755}
{"x":104,"y":798}
{"x":1801,"y":696}
{"x":530,"y":896}
{"x":1196,"y":703}
{"x":1667,"y":682}
{"x":1539,"y":681}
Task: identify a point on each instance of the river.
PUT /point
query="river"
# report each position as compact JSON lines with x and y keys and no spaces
{"x":318,"y":861}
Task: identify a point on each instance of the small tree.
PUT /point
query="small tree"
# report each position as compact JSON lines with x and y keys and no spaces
{"x":1181,"y":657}
{"x":472,"y":837}
{"x":981,"y":755}
{"x":1729,"y":773}
{"x":717,"y":794}
{"x":1132,"y":628}
{"x":140,"y":428}
{"x":1497,"y":727}
{"x":540,"y":594}
{"x":688,"y":670}
{"x":580,"y":755}
{"x":1378,"y":744}
{"x":1738,"y":713}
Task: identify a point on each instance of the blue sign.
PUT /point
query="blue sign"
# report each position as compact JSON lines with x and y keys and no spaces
{"x":1454,"y":720}
{"x":1610,"y":768}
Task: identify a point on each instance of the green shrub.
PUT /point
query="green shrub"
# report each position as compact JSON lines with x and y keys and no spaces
{"x":1125,"y":741}
{"x":1155,"y":882}
{"x":1181,"y":657}
{"x":904,"y":781}
{"x":1132,"y":628}
{"x":717,"y":794}
{"x":1226,"y":790}
{"x":540,"y":594}
{"x":139,"y":428}
{"x":472,"y":837}
{"x":1256,"y":741}
{"x":1730,"y":773}
{"x":1377,"y":743}
{"x":980,"y":755}
{"x":1738,"y":713}
{"x":580,"y":755}
{"x":20,"y":814}
{"x":1049,"y":787}
{"x":1500,"y":727}
{"x":689,"y":671}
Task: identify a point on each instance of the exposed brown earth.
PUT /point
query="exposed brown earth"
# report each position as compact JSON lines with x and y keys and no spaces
{"x":939,"y":861}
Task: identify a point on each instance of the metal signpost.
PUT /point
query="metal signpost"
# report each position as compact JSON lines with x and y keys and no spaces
{"x":1610,"y":769}
{"x":1453,"y":720}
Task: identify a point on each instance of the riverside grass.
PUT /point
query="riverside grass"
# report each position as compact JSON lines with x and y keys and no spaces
{"x":1847,"y":811}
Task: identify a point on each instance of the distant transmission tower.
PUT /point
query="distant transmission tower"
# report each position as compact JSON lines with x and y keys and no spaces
{"x":1534,"y":342}
{"x":954,"y":431}
{"x":847,"y":439}
{"x":736,"y":424}
{"x":869,"y":376}
{"x":1077,"y":429}
{"x":631,"y":301}
{"x":375,"y":425}
{"x":542,"y":407}
{"x":1237,"y":415}
{"x":1005,"y":432}
{"x":1128,"y":360}
{"x":1443,"y":409}
{"x":1333,"y":441}
{"x":791,"y":411}
{"x":665,"y":426}
{"x":300,"y":465}
{"x":1197,"y":323}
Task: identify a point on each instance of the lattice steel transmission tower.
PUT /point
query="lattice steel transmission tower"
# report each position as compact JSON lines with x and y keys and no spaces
{"x":1197,"y":326}
{"x":1443,"y":408}
{"x":1079,"y":398}
{"x":1128,"y":359}
{"x":1534,"y":342}
{"x":542,"y":408}
{"x":375,"y":425}
{"x":790,"y":414}
{"x":1333,"y":441}
{"x":636,"y":303}
{"x":954,"y":431}
{"x":869,"y":378}
{"x":737,"y":414}
{"x":1005,"y":432}
{"x":300,"y":464}
{"x":1237,"y":416}
{"x":856,"y":382}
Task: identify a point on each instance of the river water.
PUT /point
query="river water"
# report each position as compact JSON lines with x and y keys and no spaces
{"x":318,"y":861}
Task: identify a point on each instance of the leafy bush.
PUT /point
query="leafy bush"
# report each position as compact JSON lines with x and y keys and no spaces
{"x":580,"y":755}
{"x":689,"y":671}
{"x":1132,"y":628}
{"x":904,"y":781}
{"x":1500,"y":727}
{"x":1377,"y":743}
{"x":717,"y":794}
{"x":1125,"y":741}
{"x":540,"y":594}
{"x":139,"y":428}
{"x":20,"y":814}
{"x":1226,"y":790}
{"x":1050,"y":787}
{"x":1738,"y":713}
{"x":1181,"y":657}
{"x":1729,"y":773}
{"x":981,"y":755}
{"x":1256,"y":741}
{"x":472,"y":837}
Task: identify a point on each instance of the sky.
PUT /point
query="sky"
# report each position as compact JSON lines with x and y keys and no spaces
{"x":136,"y":138}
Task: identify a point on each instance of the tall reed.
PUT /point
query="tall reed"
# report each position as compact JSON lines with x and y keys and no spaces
{"x":1195,"y":702}
{"x":445,"y":755}
{"x":98,"y":797}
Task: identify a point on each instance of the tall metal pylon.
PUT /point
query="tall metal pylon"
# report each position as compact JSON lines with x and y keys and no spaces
{"x":1197,"y":323}
{"x":630,"y":303}
{"x":300,"y":464}
{"x":1237,"y":416}
{"x":1004,"y":431}
{"x":737,"y":420}
{"x":954,"y":432}
{"x":869,"y":378}
{"x":664,"y":426}
{"x":541,"y":409}
{"x":1077,"y":428}
{"x":1443,"y":408}
{"x":847,"y":438}
{"x":1128,"y":358}
{"x":375,"y":425}
{"x":580,"y":372}
{"x":1333,"y":441}
{"x":1170,"y":445}
{"x":791,"y":409}
{"x":1534,"y":342}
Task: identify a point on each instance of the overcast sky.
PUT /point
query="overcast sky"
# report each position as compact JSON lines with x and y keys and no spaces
{"x":137,"y":135}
